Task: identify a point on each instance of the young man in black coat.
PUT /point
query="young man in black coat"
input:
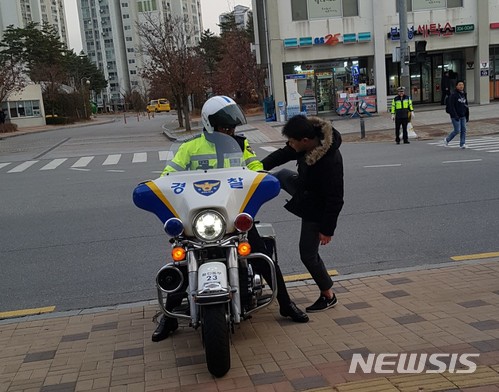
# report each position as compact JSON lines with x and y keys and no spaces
{"x":316,"y":190}
{"x":459,"y":113}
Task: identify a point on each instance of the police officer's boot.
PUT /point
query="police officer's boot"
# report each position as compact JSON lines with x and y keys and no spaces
{"x":166,"y":326}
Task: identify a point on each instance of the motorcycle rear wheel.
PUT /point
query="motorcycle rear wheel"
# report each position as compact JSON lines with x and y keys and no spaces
{"x":216,"y":338}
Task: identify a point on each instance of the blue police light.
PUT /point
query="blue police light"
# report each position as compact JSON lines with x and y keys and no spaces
{"x":174,"y":227}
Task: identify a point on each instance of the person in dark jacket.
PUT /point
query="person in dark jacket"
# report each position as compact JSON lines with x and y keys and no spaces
{"x":316,"y":190}
{"x":459,"y":114}
{"x":402,"y":111}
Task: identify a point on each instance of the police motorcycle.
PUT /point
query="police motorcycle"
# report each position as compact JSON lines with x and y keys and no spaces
{"x":207,"y":214}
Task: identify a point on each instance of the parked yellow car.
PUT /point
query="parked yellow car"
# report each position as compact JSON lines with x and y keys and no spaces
{"x":158,"y":105}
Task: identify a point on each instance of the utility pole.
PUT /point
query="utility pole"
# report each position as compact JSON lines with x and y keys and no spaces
{"x":405,"y":55}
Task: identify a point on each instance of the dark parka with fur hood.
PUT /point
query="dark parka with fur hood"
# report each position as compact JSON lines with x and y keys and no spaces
{"x":319,"y":197}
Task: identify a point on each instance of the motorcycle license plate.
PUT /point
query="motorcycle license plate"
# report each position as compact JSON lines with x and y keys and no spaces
{"x":212,"y":275}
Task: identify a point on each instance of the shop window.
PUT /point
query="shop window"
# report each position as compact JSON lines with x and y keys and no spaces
{"x":298,"y":10}
{"x":454,"y":3}
{"x":350,"y":8}
{"x":24,"y":109}
{"x":420,"y":5}
{"x":345,"y":8}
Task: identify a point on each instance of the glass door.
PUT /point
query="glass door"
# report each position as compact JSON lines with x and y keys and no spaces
{"x":426,"y":81}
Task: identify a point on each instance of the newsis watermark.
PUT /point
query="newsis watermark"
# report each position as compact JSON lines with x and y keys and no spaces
{"x":413,"y":363}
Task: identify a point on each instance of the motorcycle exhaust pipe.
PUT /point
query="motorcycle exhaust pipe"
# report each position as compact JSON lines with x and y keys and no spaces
{"x":169,"y":279}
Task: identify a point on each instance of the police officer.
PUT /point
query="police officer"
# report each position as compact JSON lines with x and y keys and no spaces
{"x":220,"y":115}
{"x":401,"y":111}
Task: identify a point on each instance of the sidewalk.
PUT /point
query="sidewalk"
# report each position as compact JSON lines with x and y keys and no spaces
{"x":44,"y":128}
{"x":452,"y":308}
{"x":430,"y":122}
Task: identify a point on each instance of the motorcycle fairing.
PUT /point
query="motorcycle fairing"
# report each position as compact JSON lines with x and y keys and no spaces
{"x":149,"y":197}
{"x":162,"y":197}
{"x":264,"y":188}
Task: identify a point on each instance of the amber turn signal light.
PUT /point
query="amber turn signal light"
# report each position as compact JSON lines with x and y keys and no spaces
{"x":244,"y":249}
{"x":178,"y":254}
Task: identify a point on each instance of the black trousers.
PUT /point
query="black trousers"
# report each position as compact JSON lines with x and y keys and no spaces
{"x":309,"y":236}
{"x":398,"y":123}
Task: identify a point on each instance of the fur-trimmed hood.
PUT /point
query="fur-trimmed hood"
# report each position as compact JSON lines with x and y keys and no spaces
{"x":331,"y":140}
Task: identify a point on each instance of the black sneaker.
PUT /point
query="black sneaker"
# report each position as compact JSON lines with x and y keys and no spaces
{"x":291,"y":310}
{"x":322,"y":303}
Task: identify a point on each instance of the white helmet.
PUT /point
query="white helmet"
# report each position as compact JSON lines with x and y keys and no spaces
{"x":221,"y":111}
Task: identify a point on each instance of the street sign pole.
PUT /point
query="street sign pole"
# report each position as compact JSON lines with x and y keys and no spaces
{"x":405,"y":55}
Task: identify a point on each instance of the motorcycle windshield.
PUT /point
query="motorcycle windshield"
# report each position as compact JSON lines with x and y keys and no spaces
{"x":199,"y":176}
{"x":206,"y":152}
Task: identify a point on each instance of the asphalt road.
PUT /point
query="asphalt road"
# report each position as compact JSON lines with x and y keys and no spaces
{"x":71,"y":236}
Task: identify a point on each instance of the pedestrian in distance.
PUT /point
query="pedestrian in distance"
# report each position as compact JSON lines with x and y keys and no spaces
{"x":2,"y":116}
{"x":401,"y":111}
{"x":459,"y":113}
{"x":220,"y":116}
{"x":316,"y":190}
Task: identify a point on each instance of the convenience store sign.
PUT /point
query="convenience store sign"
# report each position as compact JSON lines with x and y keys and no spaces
{"x":328,"y":40}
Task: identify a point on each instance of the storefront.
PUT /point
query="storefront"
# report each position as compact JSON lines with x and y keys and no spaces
{"x":339,"y":52}
{"x":494,"y":72}
{"x":324,"y":87}
{"x":426,"y":75}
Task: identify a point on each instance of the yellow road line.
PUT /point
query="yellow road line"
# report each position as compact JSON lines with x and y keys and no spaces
{"x":294,"y":278}
{"x":475,"y":256}
{"x":26,"y":312}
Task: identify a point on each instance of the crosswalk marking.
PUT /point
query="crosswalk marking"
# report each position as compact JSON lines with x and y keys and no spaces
{"x":82,"y":162}
{"x":139,"y":157}
{"x":112,"y":159}
{"x":22,"y":167}
{"x":485,"y":143}
{"x":269,"y":148}
{"x":53,"y":164}
{"x":87,"y":163}
{"x":165,"y":155}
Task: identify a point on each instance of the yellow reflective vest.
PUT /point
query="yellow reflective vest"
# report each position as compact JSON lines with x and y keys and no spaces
{"x":200,"y":153}
{"x":401,"y":106}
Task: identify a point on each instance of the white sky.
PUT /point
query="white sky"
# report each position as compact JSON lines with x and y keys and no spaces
{"x":210,"y":10}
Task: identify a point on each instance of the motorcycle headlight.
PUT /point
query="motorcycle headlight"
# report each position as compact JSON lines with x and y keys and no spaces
{"x":209,"y":225}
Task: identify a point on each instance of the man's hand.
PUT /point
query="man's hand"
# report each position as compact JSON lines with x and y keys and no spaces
{"x":393,"y":117}
{"x":413,"y":115}
{"x":324,"y":239}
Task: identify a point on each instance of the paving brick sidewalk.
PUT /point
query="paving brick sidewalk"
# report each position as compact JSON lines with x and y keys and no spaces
{"x":450,"y":309}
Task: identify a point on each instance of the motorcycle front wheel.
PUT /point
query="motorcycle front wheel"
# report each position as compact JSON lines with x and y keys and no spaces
{"x":216,"y":338}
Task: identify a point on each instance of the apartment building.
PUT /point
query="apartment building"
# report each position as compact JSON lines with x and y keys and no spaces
{"x":21,"y":12}
{"x":326,"y":51}
{"x":111,"y":41}
{"x":241,"y":15}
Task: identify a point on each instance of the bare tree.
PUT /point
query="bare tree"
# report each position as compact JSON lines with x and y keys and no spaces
{"x":237,"y":72}
{"x":171,"y":59}
{"x":12,"y":77}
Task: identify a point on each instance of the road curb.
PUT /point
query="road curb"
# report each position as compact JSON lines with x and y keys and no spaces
{"x":297,"y":283}
{"x":55,"y":128}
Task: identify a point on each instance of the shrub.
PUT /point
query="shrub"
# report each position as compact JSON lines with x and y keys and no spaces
{"x":8,"y":127}
{"x":58,"y":120}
